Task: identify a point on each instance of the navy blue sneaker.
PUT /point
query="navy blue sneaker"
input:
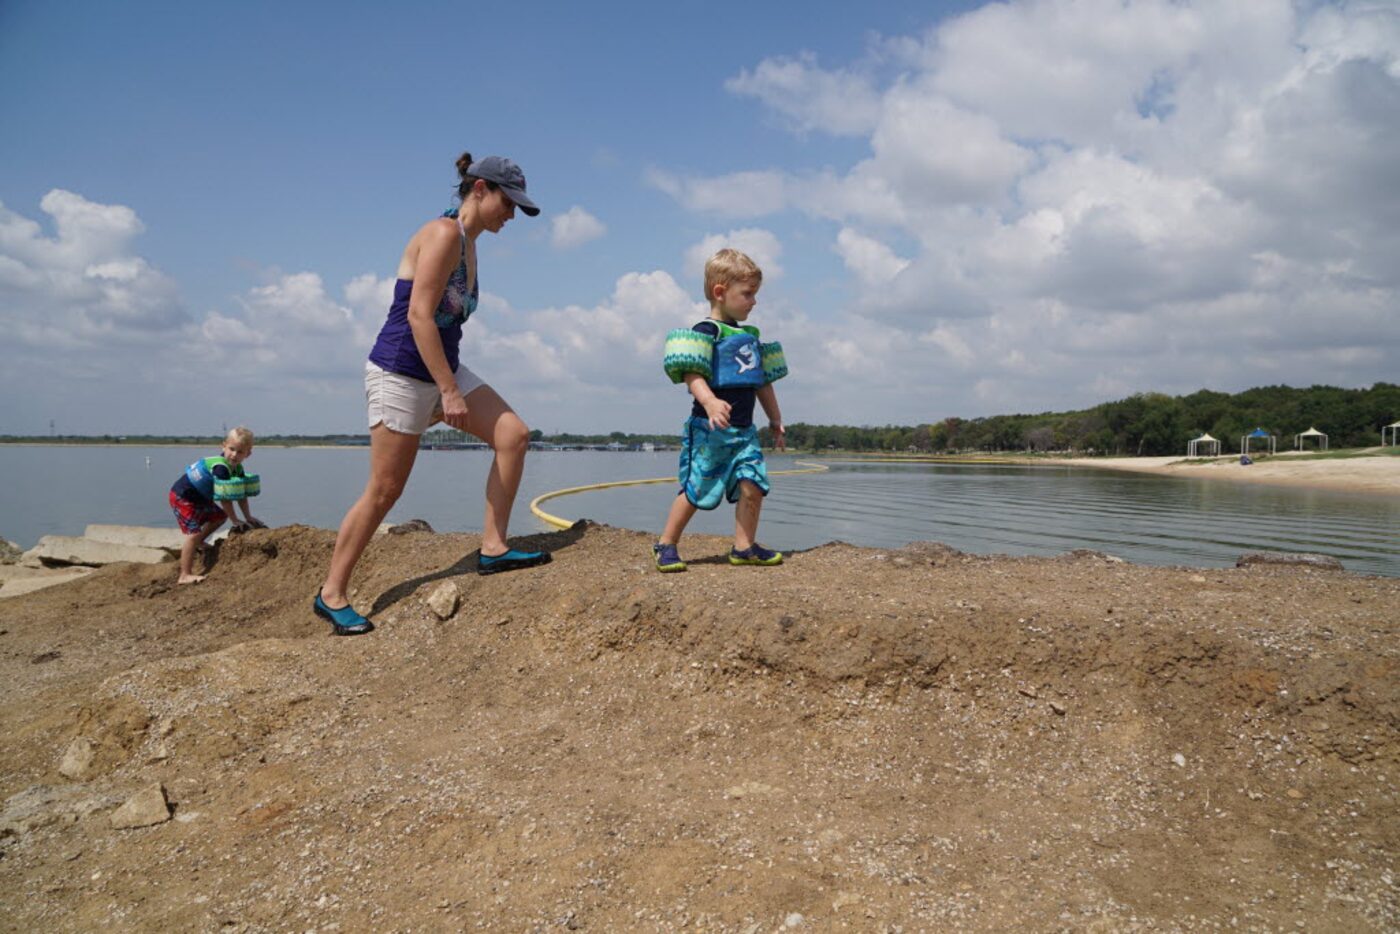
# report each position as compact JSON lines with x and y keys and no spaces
{"x":668,"y":559}
{"x":344,"y":621}
{"x":512,"y":560}
{"x":755,"y":554}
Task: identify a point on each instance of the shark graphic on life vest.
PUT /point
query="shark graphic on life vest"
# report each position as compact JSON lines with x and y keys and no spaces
{"x":745,"y":358}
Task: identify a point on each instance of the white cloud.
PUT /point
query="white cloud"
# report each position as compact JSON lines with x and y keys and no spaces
{"x":873,"y":262}
{"x":574,"y":228}
{"x":742,"y":194}
{"x":586,"y":368}
{"x":839,"y":102}
{"x":761,"y":246}
{"x":82,"y":287}
{"x":84,"y":304}
{"x":1092,"y":196}
{"x":930,"y":150}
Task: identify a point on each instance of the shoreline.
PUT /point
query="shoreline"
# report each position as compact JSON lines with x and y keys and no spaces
{"x":1373,"y":476}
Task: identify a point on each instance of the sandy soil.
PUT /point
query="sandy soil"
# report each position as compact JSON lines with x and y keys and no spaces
{"x":1351,"y":474}
{"x":909,"y":740}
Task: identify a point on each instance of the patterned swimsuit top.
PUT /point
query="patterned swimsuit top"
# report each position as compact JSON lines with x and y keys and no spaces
{"x":457,"y":303}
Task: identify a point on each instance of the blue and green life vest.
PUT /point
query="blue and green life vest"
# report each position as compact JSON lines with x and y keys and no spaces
{"x":734,"y":359}
{"x":239,"y":485}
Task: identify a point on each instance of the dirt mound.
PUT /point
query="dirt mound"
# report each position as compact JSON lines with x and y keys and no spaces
{"x":914,"y":739}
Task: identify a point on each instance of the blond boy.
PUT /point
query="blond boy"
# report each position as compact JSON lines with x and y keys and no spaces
{"x":727,"y":369}
{"x":205,"y":495}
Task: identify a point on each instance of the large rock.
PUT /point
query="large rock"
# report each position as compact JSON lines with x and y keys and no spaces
{"x":143,"y":809}
{"x":139,"y":535}
{"x":9,"y":552}
{"x":54,"y":550}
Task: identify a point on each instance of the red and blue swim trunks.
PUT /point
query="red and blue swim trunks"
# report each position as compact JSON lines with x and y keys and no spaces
{"x":193,"y":515}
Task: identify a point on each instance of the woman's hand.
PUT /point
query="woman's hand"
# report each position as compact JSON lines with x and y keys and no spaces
{"x":454,"y":410}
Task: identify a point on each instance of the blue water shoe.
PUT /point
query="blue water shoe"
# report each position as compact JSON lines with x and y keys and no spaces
{"x":512,"y":560}
{"x":344,"y":621}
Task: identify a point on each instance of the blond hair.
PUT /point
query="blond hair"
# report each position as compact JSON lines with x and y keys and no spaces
{"x":241,"y":437}
{"x":727,"y":267}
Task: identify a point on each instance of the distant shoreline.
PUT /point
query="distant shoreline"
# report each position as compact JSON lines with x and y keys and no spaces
{"x":1373,"y":475}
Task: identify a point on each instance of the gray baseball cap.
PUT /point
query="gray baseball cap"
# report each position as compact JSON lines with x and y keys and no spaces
{"x":508,"y":176}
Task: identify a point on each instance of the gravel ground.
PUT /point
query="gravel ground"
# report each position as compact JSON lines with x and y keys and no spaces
{"x":863,"y":740}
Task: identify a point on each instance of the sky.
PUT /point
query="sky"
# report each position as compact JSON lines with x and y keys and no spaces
{"x":960,"y":208}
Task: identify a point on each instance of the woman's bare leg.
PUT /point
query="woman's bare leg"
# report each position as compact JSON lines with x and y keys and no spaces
{"x":492,"y":420}
{"x":391,"y":456}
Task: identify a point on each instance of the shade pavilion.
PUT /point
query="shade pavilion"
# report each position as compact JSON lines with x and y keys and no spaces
{"x":1258,"y":434}
{"x":1204,"y":446}
{"x":1303,"y":436}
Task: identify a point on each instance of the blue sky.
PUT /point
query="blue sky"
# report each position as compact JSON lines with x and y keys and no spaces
{"x":964,"y":209}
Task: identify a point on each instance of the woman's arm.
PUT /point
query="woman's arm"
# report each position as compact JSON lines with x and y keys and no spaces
{"x":439,"y":252}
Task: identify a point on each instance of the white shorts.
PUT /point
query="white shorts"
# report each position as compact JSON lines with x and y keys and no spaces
{"x":407,"y":405}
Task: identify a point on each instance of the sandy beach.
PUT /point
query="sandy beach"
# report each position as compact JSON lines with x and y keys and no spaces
{"x":1376,"y":475}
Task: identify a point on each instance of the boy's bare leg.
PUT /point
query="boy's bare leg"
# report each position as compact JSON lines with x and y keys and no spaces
{"x":746,"y":515}
{"x":677,"y":519}
{"x":391,"y":457}
{"x":190,"y":546}
{"x":492,"y":420}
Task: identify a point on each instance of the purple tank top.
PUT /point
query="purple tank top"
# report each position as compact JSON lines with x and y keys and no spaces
{"x":395,"y":349}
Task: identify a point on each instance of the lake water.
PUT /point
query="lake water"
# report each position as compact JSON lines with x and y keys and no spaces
{"x":1041,"y":510}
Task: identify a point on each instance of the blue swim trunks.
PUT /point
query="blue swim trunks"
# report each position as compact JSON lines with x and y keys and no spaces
{"x":714,"y":460}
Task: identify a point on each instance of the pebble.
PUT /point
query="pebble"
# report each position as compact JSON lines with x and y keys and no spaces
{"x":77,"y":759}
{"x":1179,"y":759}
{"x":444,"y":599}
{"x":143,"y":809}
{"x":793,"y":920}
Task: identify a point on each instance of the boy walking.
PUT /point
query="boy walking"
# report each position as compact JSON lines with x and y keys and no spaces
{"x":205,"y":494}
{"x":726,"y":369}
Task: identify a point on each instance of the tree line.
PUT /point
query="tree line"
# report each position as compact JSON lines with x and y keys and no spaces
{"x":1142,"y":424}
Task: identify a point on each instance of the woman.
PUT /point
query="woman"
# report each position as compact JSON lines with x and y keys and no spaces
{"x":413,"y":379}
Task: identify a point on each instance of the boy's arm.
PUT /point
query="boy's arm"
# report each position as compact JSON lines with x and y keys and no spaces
{"x":768,"y":398}
{"x":248,"y":514}
{"x":715,"y":407}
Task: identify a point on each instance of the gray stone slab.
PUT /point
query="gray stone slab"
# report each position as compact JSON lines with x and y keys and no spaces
{"x":139,"y":535}
{"x":55,"y":550}
{"x":16,"y":580}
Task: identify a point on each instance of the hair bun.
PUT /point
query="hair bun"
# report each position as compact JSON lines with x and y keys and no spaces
{"x":464,"y":162}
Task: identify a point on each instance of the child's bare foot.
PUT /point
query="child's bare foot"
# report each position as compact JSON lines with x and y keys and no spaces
{"x":190,"y":578}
